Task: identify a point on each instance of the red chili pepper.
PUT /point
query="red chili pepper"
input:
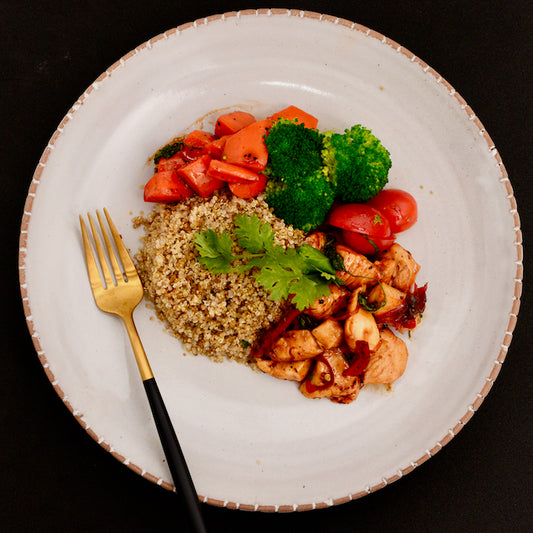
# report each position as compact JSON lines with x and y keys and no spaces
{"x":274,"y":333}
{"x":405,"y":314}
{"x":360,"y":359}
{"x":394,"y":316}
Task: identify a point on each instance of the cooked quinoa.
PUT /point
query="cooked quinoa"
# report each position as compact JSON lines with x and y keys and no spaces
{"x":218,"y":315}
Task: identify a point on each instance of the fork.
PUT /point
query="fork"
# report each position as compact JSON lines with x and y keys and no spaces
{"x":119,"y":294}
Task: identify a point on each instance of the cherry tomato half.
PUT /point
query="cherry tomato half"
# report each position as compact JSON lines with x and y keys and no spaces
{"x":365,"y":244}
{"x":360,"y":218}
{"x":398,"y":207}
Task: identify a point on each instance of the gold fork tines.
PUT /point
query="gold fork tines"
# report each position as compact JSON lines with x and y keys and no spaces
{"x":119,"y":292}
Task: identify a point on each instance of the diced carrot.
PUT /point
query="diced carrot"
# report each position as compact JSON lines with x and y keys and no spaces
{"x":195,"y":175}
{"x":215,"y":148}
{"x":166,"y":186}
{"x":297,"y":114}
{"x":232,"y":122}
{"x":230,"y":172}
{"x":194,"y":144}
{"x":249,"y":189}
{"x":172,"y":163}
{"x":247,"y":147}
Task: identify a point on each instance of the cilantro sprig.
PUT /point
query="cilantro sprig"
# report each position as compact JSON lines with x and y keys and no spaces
{"x":302,"y":274}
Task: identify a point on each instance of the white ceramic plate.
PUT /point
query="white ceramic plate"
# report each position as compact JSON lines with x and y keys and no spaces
{"x":251,"y":441}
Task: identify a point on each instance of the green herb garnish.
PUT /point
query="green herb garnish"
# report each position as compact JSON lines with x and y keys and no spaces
{"x":362,"y":300}
{"x":167,"y":151}
{"x":330,"y":250}
{"x":300,"y":274}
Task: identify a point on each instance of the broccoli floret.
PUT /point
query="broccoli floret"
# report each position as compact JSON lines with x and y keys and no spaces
{"x":356,"y":162}
{"x":298,"y":190}
{"x":293,"y":150}
{"x":304,"y":204}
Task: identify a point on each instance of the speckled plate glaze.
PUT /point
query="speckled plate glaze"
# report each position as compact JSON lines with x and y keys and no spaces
{"x":253,"y":442}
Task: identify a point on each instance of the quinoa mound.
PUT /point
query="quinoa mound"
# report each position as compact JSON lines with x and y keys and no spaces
{"x":217,"y":315}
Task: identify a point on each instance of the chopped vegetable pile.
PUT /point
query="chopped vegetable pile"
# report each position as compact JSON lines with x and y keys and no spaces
{"x":350,"y":284}
{"x":302,"y":169}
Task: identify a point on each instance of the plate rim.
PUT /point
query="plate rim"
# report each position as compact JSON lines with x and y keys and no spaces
{"x":472,"y":117}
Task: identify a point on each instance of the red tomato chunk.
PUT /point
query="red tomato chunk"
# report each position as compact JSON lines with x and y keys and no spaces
{"x":398,"y":207}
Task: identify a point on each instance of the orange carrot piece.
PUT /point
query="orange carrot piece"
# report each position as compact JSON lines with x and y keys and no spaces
{"x":194,"y":144}
{"x":166,"y":187}
{"x":195,"y":175}
{"x":230,"y":172}
{"x":172,"y":163}
{"x":215,"y":148}
{"x":249,"y":189}
{"x":232,"y":122}
{"x":298,"y":115}
{"x":247,"y":147}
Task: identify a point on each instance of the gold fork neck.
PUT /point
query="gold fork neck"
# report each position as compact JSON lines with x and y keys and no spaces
{"x":138,"y":349}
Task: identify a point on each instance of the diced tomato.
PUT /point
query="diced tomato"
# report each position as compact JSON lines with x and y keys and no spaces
{"x":366,"y":244}
{"x":194,"y":144}
{"x":250,"y":189}
{"x":232,"y":122}
{"x":195,"y":175}
{"x":247,"y":147}
{"x":360,"y":218}
{"x":398,"y":206}
{"x":173,"y":163}
{"x":215,"y":148}
{"x":166,"y":187}
{"x":229,"y":172}
{"x":296,"y":114}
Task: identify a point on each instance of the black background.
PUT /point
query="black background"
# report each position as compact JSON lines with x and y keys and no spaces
{"x":53,"y":476}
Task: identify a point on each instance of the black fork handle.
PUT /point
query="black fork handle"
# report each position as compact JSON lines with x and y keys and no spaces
{"x":176,"y":461}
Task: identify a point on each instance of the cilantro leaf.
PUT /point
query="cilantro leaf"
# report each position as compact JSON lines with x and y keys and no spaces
{"x":277,"y":280}
{"x":316,"y":259}
{"x":214,"y":250}
{"x":253,"y":235}
{"x":307,"y":289}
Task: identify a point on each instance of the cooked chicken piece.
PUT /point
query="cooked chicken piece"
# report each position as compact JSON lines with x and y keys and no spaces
{"x":316,"y":240}
{"x":329,"y":334}
{"x":360,"y":270}
{"x":295,"y":345}
{"x":293,"y":371}
{"x":361,"y":326}
{"x":398,"y":268}
{"x":392,"y":297}
{"x":388,"y":362}
{"x":326,"y":379}
{"x":328,"y":305}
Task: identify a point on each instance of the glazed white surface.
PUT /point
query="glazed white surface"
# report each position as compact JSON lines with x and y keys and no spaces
{"x":249,"y":439}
